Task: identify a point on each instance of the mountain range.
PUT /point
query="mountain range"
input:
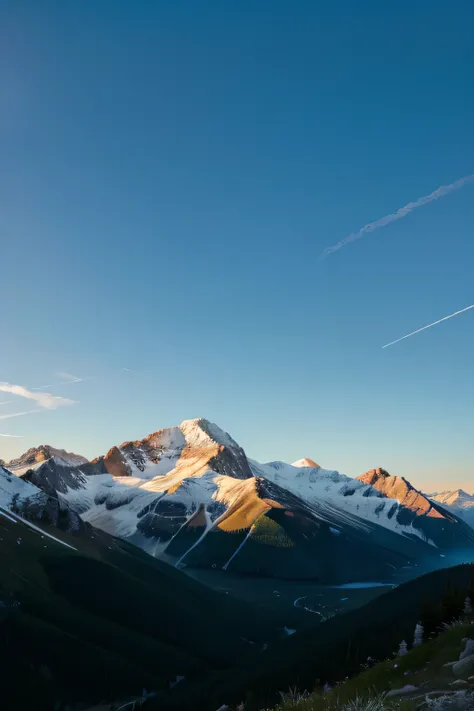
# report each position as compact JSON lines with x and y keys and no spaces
{"x":94,"y":554}
{"x":458,"y":502}
{"x":190,"y":496}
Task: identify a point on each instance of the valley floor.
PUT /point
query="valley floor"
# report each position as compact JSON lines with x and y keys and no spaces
{"x":284,"y":596}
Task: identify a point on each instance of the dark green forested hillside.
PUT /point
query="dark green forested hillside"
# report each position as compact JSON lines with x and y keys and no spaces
{"x":98,"y":619}
{"x":89,"y":618}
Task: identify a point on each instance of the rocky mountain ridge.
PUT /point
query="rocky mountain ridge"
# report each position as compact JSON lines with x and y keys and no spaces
{"x":398,"y":488}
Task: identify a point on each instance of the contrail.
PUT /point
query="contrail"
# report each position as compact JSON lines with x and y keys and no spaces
{"x":418,"y":330}
{"x":402,"y":212}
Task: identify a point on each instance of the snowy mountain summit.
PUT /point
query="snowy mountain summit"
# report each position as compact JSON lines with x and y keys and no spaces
{"x":37,"y":455}
{"x":458,"y":497}
{"x":305,"y":462}
{"x":458,"y":502}
{"x":192,"y":445}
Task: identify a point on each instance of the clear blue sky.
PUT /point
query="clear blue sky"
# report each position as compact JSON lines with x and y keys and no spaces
{"x":170,"y":174}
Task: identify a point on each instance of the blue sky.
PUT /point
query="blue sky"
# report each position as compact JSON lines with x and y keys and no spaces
{"x":171,"y":173}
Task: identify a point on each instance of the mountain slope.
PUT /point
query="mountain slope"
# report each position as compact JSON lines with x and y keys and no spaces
{"x":372,"y":497}
{"x":266,"y":530}
{"x":425,"y":668}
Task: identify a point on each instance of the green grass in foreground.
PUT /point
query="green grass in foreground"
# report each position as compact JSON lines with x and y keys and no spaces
{"x":423,"y":667}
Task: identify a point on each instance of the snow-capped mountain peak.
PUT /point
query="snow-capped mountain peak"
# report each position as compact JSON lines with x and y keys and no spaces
{"x":200,"y":431}
{"x":458,"y":497}
{"x":192,"y":447}
{"x":36,"y":456}
{"x":305,"y":462}
{"x":457,"y":501}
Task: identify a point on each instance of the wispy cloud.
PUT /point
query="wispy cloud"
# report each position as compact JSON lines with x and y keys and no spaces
{"x":2,"y":434}
{"x":402,"y":212}
{"x":423,"y":328}
{"x":17,"y":414}
{"x":6,"y":402}
{"x":45,"y":400}
{"x":126,"y":370}
{"x":68,"y":378}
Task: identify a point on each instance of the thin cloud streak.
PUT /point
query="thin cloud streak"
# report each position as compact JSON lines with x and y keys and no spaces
{"x":45,"y":400}
{"x":2,"y":434}
{"x":402,"y":212}
{"x":68,"y":378}
{"x":435,"y":323}
{"x":17,"y":414}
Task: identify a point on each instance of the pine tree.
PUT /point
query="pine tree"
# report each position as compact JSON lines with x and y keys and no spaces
{"x":467,"y":606}
{"x":418,"y":636}
{"x":402,"y":650}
